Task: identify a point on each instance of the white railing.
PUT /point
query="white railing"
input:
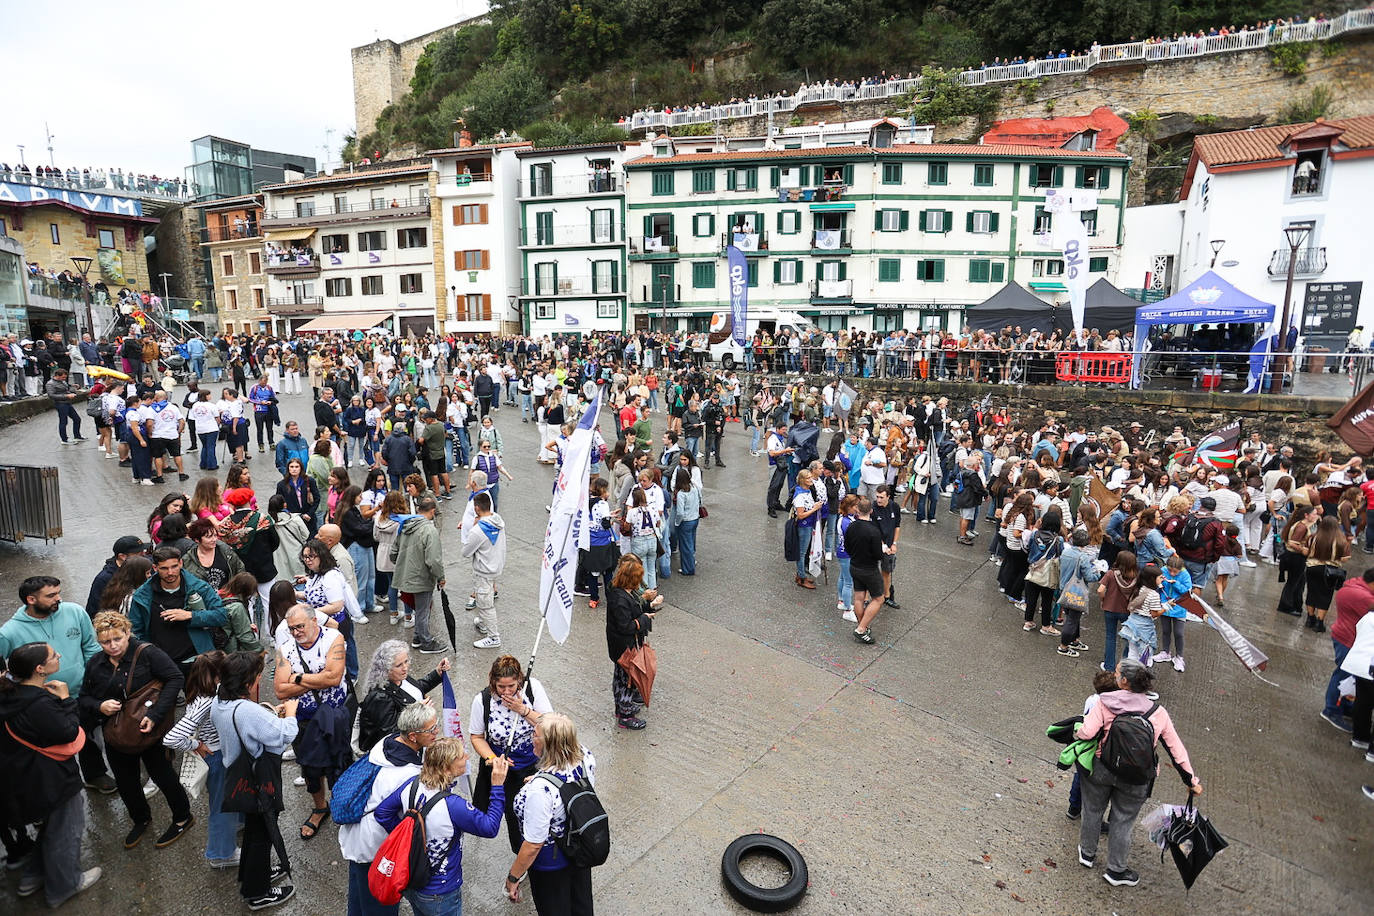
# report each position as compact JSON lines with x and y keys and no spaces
{"x":1099,"y":55}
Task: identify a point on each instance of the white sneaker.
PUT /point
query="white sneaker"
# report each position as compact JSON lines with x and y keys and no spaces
{"x":298,"y":781}
{"x":409,"y":622}
{"x":1178,"y":664}
{"x":395,"y":618}
{"x":289,"y":753}
{"x":849,"y":616}
{"x":150,"y":788}
{"x":146,"y":483}
{"x":1162,"y":656}
{"x":829,"y":555}
{"x":361,"y":620}
{"x":488,"y":642}
{"x":1248,"y":562}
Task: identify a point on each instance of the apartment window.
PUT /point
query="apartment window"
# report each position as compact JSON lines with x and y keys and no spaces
{"x":787,"y":271}
{"x":663,"y":183}
{"x":607,"y":308}
{"x":982,"y":270}
{"x":470,"y":215}
{"x":931,"y":271}
{"x":372,"y":241}
{"x":106,"y":237}
{"x":892,"y":173}
{"x":603,"y":225}
{"x":1307,"y":173}
{"x":305,"y":206}
{"x":335,"y":287}
{"x":227,"y":264}
{"x":371,"y":285}
{"x":604,"y":277}
{"x":471,"y":260}
{"x":982,"y":222}
{"x":703,"y":181}
{"x":254,"y":262}
{"x":1093,"y":176}
{"x":340,"y":203}
{"x":1090,"y":221}
{"x":742,"y":179}
{"x":54,"y":234}
{"x":543,"y":311}
{"x":233,"y":300}
{"x":334,"y":244}
{"x":541,"y":178}
{"x":257,"y":297}
{"x":1097,"y":265}
{"x":937,"y":173}
{"x":411,"y":238}
{"x":546,"y":278}
{"x":1046,"y":176}
{"x":889,"y":270}
{"x":1044,"y":221}
{"x":789,"y":222}
{"x":982,"y":175}
{"x":4,"y":230}
{"x":703,"y":275}
{"x":543,"y":228}
{"x":891,"y":220}
{"x":936,"y":220}
{"x":752,"y":272}
{"x":1047,"y":267}
{"x":412,"y":283}
{"x":703,"y":225}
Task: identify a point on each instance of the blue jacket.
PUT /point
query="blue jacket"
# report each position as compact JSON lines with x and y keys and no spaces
{"x":209,"y":614}
{"x":1080,"y":560}
{"x":289,"y":447}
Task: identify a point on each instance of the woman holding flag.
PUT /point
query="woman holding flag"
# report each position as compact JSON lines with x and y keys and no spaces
{"x":390,"y":689}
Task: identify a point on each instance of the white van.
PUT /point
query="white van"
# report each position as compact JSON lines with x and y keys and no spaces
{"x":727,"y":354}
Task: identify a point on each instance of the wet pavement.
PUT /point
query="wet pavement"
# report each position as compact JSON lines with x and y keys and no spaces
{"x":913,"y":775}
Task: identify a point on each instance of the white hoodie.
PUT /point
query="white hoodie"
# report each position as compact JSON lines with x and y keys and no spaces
{"x":484,"y":542}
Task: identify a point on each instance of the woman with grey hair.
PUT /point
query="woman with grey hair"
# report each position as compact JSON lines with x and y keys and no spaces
{"x":1115,"y":779}
{"x":390,"y":689}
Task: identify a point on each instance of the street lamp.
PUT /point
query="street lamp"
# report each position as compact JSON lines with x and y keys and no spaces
{"x":1217,"y":245}
{"x":1296,"y":235}
{"x":166,"y":295}
{"x":83,"y":265}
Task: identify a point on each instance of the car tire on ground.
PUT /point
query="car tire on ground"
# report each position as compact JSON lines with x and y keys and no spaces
{"x":764,"y":899}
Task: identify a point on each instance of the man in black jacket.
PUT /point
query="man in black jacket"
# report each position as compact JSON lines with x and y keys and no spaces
{"x":713,"y":415}
{"x":327,"y":411}
{"x":125,"y":547}
{"x":483,"y":388}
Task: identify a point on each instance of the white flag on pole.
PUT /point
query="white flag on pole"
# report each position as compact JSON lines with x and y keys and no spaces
{"x":567,"y":530}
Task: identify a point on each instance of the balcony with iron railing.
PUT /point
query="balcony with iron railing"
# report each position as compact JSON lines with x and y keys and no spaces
{"x":832,"y":291}
{"x":1311,"y":262}
{"x":830,"y":189}
{"x":661,"y":247}
{"x":1307,"y":184}
{"x":577,"y":285}
{"x":567,"y":235}
{"x":388,"y":208}
{"x":825,"y":242}
{"x":295,"y":306}
{"x":568,"y":186}
{"x":230,"y":233}
{"x":289,"y":265}
{"x":751,"y":243}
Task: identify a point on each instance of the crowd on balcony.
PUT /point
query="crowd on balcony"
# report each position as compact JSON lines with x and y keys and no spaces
{"x":99,"y":179}
{"x":1177,"y":44}
{"x":295,"y":254}
{"x":68,"y":284}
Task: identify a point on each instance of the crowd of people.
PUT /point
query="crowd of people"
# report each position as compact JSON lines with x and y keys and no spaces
{"x":88,"y":179}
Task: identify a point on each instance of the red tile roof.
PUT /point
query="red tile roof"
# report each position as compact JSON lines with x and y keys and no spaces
{"x":1263,"y":144}
{"x":357,"y":175}
{"x":1053,"y":133}
{"x":923,"y":150}
{"x":476,"y":148}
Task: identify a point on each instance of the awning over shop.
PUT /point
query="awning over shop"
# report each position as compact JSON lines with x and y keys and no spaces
{"x":831,"y":208}
{"x":345,"y":321}
{"x":1048,"y":286}
{"x":288,"y":235}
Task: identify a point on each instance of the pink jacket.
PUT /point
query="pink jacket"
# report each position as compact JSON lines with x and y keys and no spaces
{"x":1098,"y":721}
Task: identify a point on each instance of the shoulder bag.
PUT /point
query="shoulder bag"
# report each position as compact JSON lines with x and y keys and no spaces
{"x":122,"y":730}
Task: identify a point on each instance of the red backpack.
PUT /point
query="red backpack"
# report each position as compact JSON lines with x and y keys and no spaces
{"x":402,"y":861}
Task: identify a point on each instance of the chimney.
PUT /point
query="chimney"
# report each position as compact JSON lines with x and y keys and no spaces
{"x":464,"y":138}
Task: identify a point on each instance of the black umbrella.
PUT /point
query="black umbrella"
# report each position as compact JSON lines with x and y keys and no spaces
{"x":448,"y":619}
{"x":1193,"y":842}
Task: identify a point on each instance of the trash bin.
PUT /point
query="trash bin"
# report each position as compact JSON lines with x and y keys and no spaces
{"x":1316,"y":359}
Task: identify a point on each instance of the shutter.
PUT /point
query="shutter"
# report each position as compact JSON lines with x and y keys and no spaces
{"x":457,"y":216}
{"x":805,"y":175}
{"x":482,"y":214}
{"x":849,"y":174}
{"x":758,"y":226}
{"x":774,"y":177}
{"x":948,"y":221}
{"x":1078,"y":177}
{"x":457,"y":260}
{"x":968,"y":221}
{"x":751,"y":179}
{"x":905,"y":222}
{"x":939,"y":270}
{"x":648,"y":226}
{"x":615,"y":276}
{"x":999,"y":272}
{"x":671,"y":239}
{"x":777,"y":272}
{"x":925,"y":221}
{"x":710,"y":224}
{"x":844,"y":273}
{"x":1104,"y":175}
{"x":878,"y":220}
{"x":992,"y":222}
{"x":591,"y":236}
{"x":780,"y":213}
{"x":729,"y":179}
{"x":973,"y":271}
{"x":486,"y":260}
{"x":1058,"y":176}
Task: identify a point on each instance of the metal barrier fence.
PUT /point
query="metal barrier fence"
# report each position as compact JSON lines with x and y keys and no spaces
{"x":30,"y":503}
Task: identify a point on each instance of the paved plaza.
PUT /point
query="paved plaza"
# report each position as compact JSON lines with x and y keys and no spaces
{"x":914,"y":774}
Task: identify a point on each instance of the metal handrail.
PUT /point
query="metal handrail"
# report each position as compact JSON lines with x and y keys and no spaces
{"x":331,"y":210}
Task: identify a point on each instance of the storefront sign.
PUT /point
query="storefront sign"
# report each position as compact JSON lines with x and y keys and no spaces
{"x":906,"y":306}
{"x":1331,"y":308}
{"x":95,"y":203}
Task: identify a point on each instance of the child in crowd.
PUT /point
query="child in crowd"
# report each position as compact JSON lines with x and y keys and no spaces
{"x":1103,"y":681}
{"x":1228,"y":564}
{"x":1175,"y":584}
{"x":1145,"y":607}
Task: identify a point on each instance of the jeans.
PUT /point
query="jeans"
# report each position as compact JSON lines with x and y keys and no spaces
{"x":686,"y":537}
{"x":365,"y":565}
{"x":350,"y":648}
{"x":360,"y":899}
{"x":198,"y":366}
{"x":1113,"y":623}
{"x":464,"y":447}
{"x":66,"y":411}
{"x":1369,"y":530}
{"x":645,"y":546}
{"x":526,"y":406}
{"x":381,"y":587}
{"x":653,"y":399}
{"x":57,"y":857}
{"x":754,"y":442}
{"x":1076,"y":791}
{"x":1201,"y":572}
{"x":495,"y":491}
{"x":692,"y":444}
{"x":208,"y":459}
{"x":713,"y":447}
{"x":354,"y":445}
{"x":832,"y":523}
{"x":844,"y":585}
{"x":1101,"y":788}
{"x":221,"y":837}
{"x":450,"y":904}
{"x":1333,"y":688}
{"x":804,"y":535}
{"x":927,"y":501}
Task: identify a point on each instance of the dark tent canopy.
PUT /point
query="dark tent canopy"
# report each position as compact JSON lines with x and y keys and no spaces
{"x":1012,"y":305}
{"x":1106,"y":308}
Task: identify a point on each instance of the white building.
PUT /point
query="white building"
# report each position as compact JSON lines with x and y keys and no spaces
{"x":573,"y":249}
{"x":478,"y":262}
{"x":363,"y":253}
{"x":877,"y":236}
{"x":1241,"y":191}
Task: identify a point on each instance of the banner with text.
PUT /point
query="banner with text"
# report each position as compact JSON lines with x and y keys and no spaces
{"x":739,"y":293}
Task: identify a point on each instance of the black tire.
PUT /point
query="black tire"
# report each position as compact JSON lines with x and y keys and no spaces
{"x":727,"y":361}
{"x":764,"y":899}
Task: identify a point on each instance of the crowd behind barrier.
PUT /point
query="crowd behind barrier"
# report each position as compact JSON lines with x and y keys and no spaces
{"x":88,"y":179}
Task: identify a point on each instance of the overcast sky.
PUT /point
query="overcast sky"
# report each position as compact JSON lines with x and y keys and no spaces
{"x":130,"y":85}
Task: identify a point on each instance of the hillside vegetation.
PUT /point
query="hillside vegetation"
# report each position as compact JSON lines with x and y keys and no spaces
{"x":562,"y":71}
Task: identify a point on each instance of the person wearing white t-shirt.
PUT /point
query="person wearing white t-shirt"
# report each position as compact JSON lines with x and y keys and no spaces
{"x":873,"y":471}
{"x":164,"y":426}
{"x":204,"y":413}
{"x":135,"y":425}
{"x":234,"y":426}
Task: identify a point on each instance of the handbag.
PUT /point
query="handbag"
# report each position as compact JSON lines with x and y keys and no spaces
{"x":702,"y":513}
{"x":252,"y":785}
{"x":1044,"y":572}
{"x":58,"y":752}
{"x":122,"y":730}
{"x":194,"y":772}
{"x":1074,"y":596}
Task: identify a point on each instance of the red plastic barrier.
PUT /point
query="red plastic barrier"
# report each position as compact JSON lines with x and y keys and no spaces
{"x":1112,"y":368}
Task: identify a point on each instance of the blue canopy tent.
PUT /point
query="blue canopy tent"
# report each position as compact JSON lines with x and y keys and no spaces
{"x":1207,"y":300}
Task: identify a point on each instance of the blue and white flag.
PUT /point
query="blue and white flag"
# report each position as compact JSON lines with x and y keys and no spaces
{"x":451,"y":722}
{"x":567,"y":531}
{"x":1259,"y":363}
{"x":738,"y":271}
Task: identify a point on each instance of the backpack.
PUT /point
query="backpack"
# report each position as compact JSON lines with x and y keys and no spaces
{"x":95,"y":407}
{"x":1190,"y":536}
{"x":586,"y":839}
{"x":1129,"y":749}
{"x":402,"y":861}
{"x":350,"y":792}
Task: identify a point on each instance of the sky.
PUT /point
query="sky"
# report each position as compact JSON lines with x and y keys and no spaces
{"x":130,"y":85}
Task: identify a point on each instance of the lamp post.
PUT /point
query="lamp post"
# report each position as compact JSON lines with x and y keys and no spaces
{"x":166,"y":296}
{"x":1296,"y":235}
{"x":1217,"y":245}
{"x":83,"y":265}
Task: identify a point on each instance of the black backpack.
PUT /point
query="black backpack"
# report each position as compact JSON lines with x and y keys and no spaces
{"x":1129,"y":748}
{"x":1191,"y":536}
{"x":586,"y":839}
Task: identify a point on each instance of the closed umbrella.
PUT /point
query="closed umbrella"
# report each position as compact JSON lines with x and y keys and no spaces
{"x":1193,"y":842}
{"x":641,"y":664}
{"x":448,"y":619}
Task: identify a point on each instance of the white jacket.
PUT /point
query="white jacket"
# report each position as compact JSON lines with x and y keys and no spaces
{"x":359,"y":842}
{"x":1361,"y":655}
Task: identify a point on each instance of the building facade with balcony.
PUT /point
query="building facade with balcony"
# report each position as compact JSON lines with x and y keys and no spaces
{"x":233,"y":245}
{"x":573,"y":264}
{"x":352,"y":251}
{"x":1244,"y":189}
{"x":873,"y":237}
{"x":477,"y":225}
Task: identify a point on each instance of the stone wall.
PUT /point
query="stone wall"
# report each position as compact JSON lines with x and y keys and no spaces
{"x":179,"y":254}
{"x":1296,"y":421}
{"x":382,"y":72}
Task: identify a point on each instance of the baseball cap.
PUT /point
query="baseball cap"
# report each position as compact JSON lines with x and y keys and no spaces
{"x":1222,"y":480}
{"x":131,"y":544}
